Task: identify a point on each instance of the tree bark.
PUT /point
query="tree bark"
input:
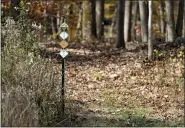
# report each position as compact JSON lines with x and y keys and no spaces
{"x":86,"y":20}
{"x":127,"y":21}
{"x":162,"y":22}
{"x":58,"y":19}
{"x":113,"y":24}
{"x":144,"y":20}
{"x":100,"y":18}
{"x":120,"y":21}
{"x":134,"y":18}
{"x":150,"y":44}
{"x":179,"y":24}
{"x":15,"y":12}
{"x":171,"y":34}
{"x":53,"y":25}
{"x":93,"y":19}
{"x":79,"y":25}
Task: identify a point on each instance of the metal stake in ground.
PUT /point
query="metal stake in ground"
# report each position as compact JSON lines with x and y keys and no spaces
{"x":62,"y":89}
{"x":63,"y":54}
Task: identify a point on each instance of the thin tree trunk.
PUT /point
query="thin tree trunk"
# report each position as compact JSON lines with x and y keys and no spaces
{"x":127,"y":21}
{"x":179,"y":24}
{"x":86,"y":20}
{"x":113,"y":24}
{"x":100,"y":18}
{"x":144,"y":20}
{"x":53,"y":25}
{"x":58,"y":19}
{"x":120,"y":21}
{"x":171,"y":34}
{"x":93,"y":22}
{"x":150,"y":44}
{"x":161,"y":11}
{"x":134,"y":18}
{"x":79,"y":25}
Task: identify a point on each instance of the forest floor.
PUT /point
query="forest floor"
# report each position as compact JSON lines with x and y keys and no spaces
{"x":106,"y":86}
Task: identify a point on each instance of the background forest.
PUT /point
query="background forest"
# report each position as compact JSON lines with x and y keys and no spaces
{"x":124,"y":68}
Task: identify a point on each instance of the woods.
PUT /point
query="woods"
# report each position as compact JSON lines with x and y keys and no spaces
{"x":124,"y":63}
{"x":93,"y":18}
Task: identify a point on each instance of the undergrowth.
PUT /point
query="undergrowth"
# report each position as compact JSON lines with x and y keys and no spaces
{"x":30,"y":93}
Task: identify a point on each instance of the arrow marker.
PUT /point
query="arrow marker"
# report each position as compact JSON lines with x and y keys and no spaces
{"x":64,"y":25}
{"x":63,"y":44}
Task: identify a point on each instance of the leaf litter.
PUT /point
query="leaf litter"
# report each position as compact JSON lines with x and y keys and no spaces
{"x":112,"y":82}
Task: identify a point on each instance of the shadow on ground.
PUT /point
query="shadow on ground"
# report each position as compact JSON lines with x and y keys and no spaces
{"x":78,"y":115}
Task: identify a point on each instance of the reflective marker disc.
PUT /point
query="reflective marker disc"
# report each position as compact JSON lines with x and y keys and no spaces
{"x":63,"y":44}
{"x":63,"y":53}
{"x":64,"y":35}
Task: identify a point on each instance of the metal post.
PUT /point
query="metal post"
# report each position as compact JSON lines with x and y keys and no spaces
{"x":63,"y":53}
{"x":62,"y":88}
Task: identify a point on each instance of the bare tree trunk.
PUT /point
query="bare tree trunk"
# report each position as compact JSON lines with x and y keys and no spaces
{"x":86,"y":20}
{"x":79,"y":25}
{"x":144,"y":20}
{"x":120,"y":21}
{"x":127,"y":21}
{"x":53,"y":25}
{"x":171,"y":35}
{"x":150,"y":44}
{"x":15,"y":12}
{"x":134,"y":18}
{"x":113,"y":24}
{"x":161,"y":11}
{"x":93,"y":19}
{"x":100,"y":18}
{"x":58,"y":19}
{"x":179,"y":24}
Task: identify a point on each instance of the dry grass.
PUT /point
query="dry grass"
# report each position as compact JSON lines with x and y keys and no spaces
{"x":30,"y":84}
{"x":29,"y":94}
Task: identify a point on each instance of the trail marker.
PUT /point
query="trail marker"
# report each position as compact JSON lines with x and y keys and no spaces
{"x":63,"y":44}
{"x":63,"y":53}
{"x":64,"y":35}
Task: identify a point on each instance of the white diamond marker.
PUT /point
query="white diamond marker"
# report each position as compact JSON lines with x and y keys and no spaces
{"x":63,"y":53}
{"x":64,"y":35}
